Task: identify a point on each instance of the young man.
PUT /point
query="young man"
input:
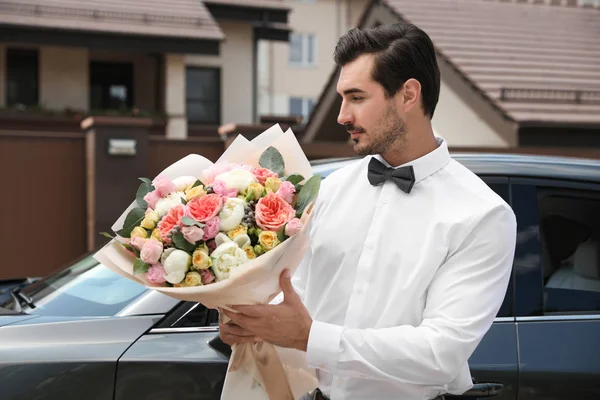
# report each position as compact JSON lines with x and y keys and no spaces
{"x":411,"y":253}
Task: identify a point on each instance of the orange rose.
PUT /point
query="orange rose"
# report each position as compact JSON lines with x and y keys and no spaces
{"x":170,"y":220}
{"x":272,"y":212}
{"x":204,"y":208}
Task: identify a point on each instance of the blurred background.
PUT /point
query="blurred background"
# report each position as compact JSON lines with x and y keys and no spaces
{"x":96,"y":93}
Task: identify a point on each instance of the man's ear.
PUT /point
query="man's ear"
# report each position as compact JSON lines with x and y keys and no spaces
{"x":410,"y":95}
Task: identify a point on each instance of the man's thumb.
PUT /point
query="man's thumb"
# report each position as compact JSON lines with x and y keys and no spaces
{"x":285,"y":281}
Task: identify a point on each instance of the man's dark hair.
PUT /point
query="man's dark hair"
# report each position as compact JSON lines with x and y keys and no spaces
{"x":402,"y":51}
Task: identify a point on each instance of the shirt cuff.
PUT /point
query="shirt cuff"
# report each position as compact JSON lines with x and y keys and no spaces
{"x":323,"y":345}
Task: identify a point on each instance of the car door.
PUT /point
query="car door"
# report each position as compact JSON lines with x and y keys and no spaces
{"x":558,"y":288}
{"x":494,"y":363}
{"x":174,"y":360}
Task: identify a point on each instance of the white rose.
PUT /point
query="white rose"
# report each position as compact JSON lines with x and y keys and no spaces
{"x":225,"y":257}
{"x":231,"y":214}
{"x":241,"y":240}
{"x":176,"y":266}
{"x":238,"y":179}
{"x":164,"y":205}
{"x":183,"y":182}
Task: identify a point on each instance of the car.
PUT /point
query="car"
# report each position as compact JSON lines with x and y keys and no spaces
{"x":86,"y":332}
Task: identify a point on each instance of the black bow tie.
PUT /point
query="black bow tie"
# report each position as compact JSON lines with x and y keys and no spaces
{"x":403,"y":177}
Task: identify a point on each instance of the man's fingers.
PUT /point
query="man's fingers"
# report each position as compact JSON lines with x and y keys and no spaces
{"x":236,"y":330}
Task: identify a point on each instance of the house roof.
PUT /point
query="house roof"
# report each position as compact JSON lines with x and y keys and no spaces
{"x":535,"y":62}
{"x":185,"y":19}
{"x":273,"y":4}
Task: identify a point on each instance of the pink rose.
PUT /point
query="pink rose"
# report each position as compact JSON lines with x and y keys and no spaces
{"x":221,"y":188}
{"x":211,"y":173}
{"x":151,"y":252}
{"x":286,"y":191}
{"x":204,"y":208}
{"x":211,"y":229}
{"x":138,"y":242}
{"x":207,"y":276}
{"x":169,"y":221}
{"x":261,"y":174}
{"x":156,"y":274}
{"x":163,"y":185}
{"x":272,"y":212}
{"x":152,"y":198}
{"x":293,"y":227}
{"x":192,"y":233}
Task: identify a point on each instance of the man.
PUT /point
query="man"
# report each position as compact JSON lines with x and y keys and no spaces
{"x":411,"y":253}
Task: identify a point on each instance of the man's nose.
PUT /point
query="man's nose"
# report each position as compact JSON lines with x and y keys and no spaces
{"x":345,"y":116}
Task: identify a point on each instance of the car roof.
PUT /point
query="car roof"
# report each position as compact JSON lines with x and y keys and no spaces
{"x":492,"y":164}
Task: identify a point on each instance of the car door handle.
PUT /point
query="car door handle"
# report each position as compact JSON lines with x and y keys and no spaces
{"x":480,"y":390}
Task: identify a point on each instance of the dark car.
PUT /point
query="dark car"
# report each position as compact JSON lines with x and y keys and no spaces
{"x":87,"y":333}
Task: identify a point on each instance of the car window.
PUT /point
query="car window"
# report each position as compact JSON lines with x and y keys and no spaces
{"x":85,"y":289}
{"x":569,"y":223}
{"x":191,"y":314}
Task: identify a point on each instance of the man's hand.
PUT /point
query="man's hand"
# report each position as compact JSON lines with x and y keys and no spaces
{"x":231,"y":334}
{"x":286,"y":324}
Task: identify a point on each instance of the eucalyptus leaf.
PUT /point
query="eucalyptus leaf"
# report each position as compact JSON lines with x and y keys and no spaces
{"x":308,"y":194}
{"x":147,"y":182}
{"x":139,"y":196}
{"x":272,"y":159}
{"x":181,"y":243}
{"x":191,"y":222}
{"x":281,"y":234}
{"x":140,"y":267}
{"x":197,"y":183}
{"x":295,"y":179}
{"x":133,"y":219}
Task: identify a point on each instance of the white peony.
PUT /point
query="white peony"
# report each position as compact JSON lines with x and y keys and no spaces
{"x":176,"y":266}
{"x":231,"y":214}
{"x":241,"y":240}
{"x":225,"y":257}
{"x":165,"y":204}
{"x":183,"y":182}
{"x":238,"y":179}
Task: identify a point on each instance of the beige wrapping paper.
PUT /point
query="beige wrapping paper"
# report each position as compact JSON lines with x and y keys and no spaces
{"x":260,"y":370}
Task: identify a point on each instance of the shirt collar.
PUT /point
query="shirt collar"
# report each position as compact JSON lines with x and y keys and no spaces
{"x":428,"y":164}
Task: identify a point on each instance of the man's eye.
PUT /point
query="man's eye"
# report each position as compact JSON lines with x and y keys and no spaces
{"x":356,"y":98}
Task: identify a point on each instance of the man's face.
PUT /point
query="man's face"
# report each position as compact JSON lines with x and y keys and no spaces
{"x":372,"y":120}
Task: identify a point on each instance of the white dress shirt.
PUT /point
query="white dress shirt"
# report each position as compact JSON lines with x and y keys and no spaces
{"x":402,"y":287}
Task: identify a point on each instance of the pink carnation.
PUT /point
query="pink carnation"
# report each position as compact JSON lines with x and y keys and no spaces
{"x":221,"y":188}
{"x":156,"y":274}
{"x":152,"y":198}
{"x":163,"y":185}
{"x":286,"y":191}
{"x":262,"y":174}
{"x":151,"y":252}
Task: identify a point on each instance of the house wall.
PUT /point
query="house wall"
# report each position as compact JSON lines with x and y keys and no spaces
{"x":235,"y":62}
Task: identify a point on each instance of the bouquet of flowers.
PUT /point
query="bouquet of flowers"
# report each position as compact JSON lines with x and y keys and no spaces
{"x":221,"y":234}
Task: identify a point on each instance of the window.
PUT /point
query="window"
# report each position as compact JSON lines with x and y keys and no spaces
{"x":301,"y":106}
{"x":203,"y":95}
{"x":303,"y":49}
{"x":569,"y":222}
{"x":111,"y":86}
{"x":22,"y":77}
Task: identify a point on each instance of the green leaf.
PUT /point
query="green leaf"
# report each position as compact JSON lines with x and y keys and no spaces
{"x":295,"y":179}
{"x":183,"y":201}
{"x":132,"y":249}
{"x":308,"y":194}
{"x":272,"y":159}
{"x":281,"y":234}
{"x":133,"y":219}
{"x":106,"y":234}
{"x":140,"y":267}
{"x":145,"y":188}
{"x":147,"y":182}
{"x":197,"y":183}
{"x":298,"y":187}
{"x":191,"y":222}
{"x":181,"y":243}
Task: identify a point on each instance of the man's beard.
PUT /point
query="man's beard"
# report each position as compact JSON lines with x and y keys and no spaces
{"x":389,"y":131}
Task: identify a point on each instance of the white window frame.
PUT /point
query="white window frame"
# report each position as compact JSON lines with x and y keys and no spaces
{"x":305,"y":46}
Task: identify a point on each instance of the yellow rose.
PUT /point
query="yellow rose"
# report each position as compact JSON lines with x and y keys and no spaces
{"x":249,"y":252}
{"x":150,"y":220}
{"x":268,"y":240}
{"x":272,"y":184}
{"x":238,"y":230}
{"x":193,"y":279}
{"x":201,"y":259}
{"x":156,"y":235}
{"x":203,"y":247}
{"x":139,"y":232}
{"x":194,"y":192}
{"x":254,"y":191}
